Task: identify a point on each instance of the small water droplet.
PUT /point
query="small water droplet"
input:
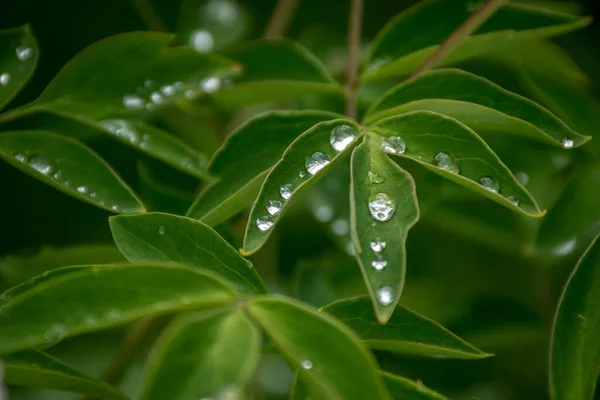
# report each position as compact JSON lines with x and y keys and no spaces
{"x":202,"y":40}
{"x":302,"y":174}
{"x":156,"y":98}
{"x":382,"y":207}
{"x":114,"y":207}
{"x":20,"y":157}
{"x":274,"y":207}
{"x":342,"y":136}
{"x":377,"y":245}
{"x":567,"y":143}
{"x":316,"y":162}
{"x":168,"y":90}
{"x":24,"y":53}
{"x":286,"y":190}
{"x":306,"y":364}
{"x":161,"y":230}
{"x":40,"y":164}
{"x":393,"y":145}
{"x":82,"y":189}
{"x":93,"y":195}
{"x":565,"y":248}
{"x":374,"y":178}
{"x":522,"y":177}
{"x":210,"y":84}
{"x":4,"y":79}
{"x":379,"y":264}
{"x":447,"y":163}
{"x":133,"y":102}
{"x":123,"y":129}
{"x":513,"y":200}
{"x":55,"y":333}
{"x":265,"y":223}
{"x":490,"y":184}
{"x":340,"y":227}
{"x":385,"y":297}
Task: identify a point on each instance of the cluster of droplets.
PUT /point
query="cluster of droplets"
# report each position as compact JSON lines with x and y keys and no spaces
{"x":23,"y":53}
{"x":340,"y":138}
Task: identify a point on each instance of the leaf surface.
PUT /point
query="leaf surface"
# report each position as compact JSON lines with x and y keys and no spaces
{"x":404,"y":389}
{"x":18,"y":58}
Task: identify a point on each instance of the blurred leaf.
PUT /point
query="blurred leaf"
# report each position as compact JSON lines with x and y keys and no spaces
{"x":104,"y":296}
{"x":404,"y":389}
{"x":160,"y":196}
{"x":330,"y":360}
{"x":209,"y":355}
{"x":476,"y":102}
{"x":383,"y":209}
{"x":165,"y":237}
{"x":575,"y":351}
{"x":406,"y":332}
{"x":452,"y":150}
{"x":18,"y":58}
{"x":393,"y":54}
{"x":35,"y":369}
{"x":69,"y":166}
{"x":303,"y":162}
{"x":245,"y":158}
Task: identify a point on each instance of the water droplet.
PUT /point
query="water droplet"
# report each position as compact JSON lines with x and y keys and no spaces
{"x":20,"y":157}
{"x":567,"y":143}
{"x":340,"y":227}
{"x":161,"y":230}
{"x":323,"y":213}
{"x":522,"y":177}
{"x":565,"y":248}
{"x":133,"y":102}
{"x":24,"y":53}
{"x":122,"y":129}
{"x":306,"y":364}
{"x":274,"y":207}
{"x":302,"y":174}
{"x":82,"y":189}
{"x":55,"y":333}
{"x":156,"y":98}
{"x":385,"y":297}
{"x":316,"y":162}
{"x":374,"y":178}
{"x":513,"y":200}
{"x":202,"y":40}
{"x":40,"y":164}
{"x":342,"y":136}
{"x":379,"y":264}
{"x":114,"y":207}
{"x":210,"y":84}
{"x":4,"y":79}
{"x":393,"y":145}
{"x":490,"y":184}
{"x":168,"y":90}
{"x":377,"y":245}
{"x":447,"y":163}
{"x":382,"y":207}
{"x":265,"y":223}
{"x":286,"y":190}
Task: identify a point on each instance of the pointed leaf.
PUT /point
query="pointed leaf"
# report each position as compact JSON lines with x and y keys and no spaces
{"x":105,"y":296}
{"x":476,"y":102}
{"x":575,"y":350}
{"x":391,"y":54}
{"x":331,"y":362}
{"x":33,"y":368}
{"x":379,"y":234}
{"x":209,"y":355}
{"x":304,"y":161}
{"x":165,"y":237}
{"x":244,"y":159}
{"x":70,"y":167}
{"x":404,"y":389}
{"x":433,"y":139}
{"x":18,"y":58}
{"x":406,"y":332}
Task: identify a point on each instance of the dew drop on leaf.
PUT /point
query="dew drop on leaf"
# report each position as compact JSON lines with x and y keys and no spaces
{"x":379,"y":264}
{"x":316,"y":162}
{"x":24,"y":53}
{"x":306,"y":364}
{"x":55,"y":333}
{"x":134,"y":102}
{"x":202,"y":40}
{"x":4,"y":78}
{"x":490,"y":184}
{"x":264,"y":223}
{"x":374,"y":178}
{"x":513,"y":200}
{"x":567,"y":143}
{"x":210,"y":84}
{"x":342,"y":136}
{"x":274,"y":207}
{"x":393,"y":145}
{"x":161,"y":230}
{"x":447,"y":163}
{"x":385,"y":297}
{"x":286,"y":190}
{"x":40,"y":164}
{"x":382,"y":207}
{"x":82,"y":189}
{"x":377,"y":245}
{"x":20,"y":157}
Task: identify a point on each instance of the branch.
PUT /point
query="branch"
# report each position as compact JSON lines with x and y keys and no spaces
{"x":282,"y":15}
{"x":149,"y":15}
{"x":354,"y":31}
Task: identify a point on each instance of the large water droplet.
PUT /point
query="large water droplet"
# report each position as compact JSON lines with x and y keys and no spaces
{"x":161,"y":230}
{"x":340,"y":227}
{"x":20,"y":157}
{"x":202,"y":40}
{"x":274,"y":207}
{"x":513,"y":200}
{"x":265,"y":223}
{"x":522,"y":177}
{"x":342,"y":136}
{"x":567,"y":143}
{"x":377,"y":245}
{"x":133,"y":102}
{"x":286,"y":190}
{"x":40,"y":164}
{"x":210,"y":84}
{"x":382,"y":207}
{"x":316,"y":162}
{"x":306,"y":364}
{"x":447,"y":163}
{"x":385,"y":297}
{"x":4,"y":79}
{"x":24,"y":53}
{"x":490,"y":184}
{"x":393,"y":145}
{"x":379,"y":264}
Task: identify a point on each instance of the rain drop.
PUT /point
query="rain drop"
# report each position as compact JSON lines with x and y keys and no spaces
{"x":133,"y":102}
{"x":490,"y":184}
{"x":379,"y":264}
{"x":4,"y":79}
{"x":210,"y":84}
{"x":513,"y":200}
{"x":374,"y":178}
{"x":306,"y":364}
{"x":393,"y":145}
{"x":567,"y":143}
{"x":82,"y":189}
{"x":40,"y":164}
{"x":156,"y":98}
{"x":161,"y":230}
{"x":340,"y":227}
{"x":24,"y":53}
{"x":286,"y":190}
{"x":302,"y":174}
{"x":382,"y":207}
{"x":377,"y":245}
{"x":385,"y":296}
{"x":274,"y":207}
{"x":20,"y":157}
{"x":316,"y":162}
{"x":168,"y":90}
{"x":202,"y":40}
{"x":447,"y":163}
{"x":342,"y":136}
{"x":264,"y":223}
{"x":522,"y":177}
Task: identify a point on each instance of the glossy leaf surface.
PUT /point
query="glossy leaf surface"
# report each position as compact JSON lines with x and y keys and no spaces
{"x":18,"y":58}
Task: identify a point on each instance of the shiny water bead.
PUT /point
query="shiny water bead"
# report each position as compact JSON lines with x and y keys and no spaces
{"x":202,"y":40}
{"x":382,"y":207}
{"x":133,"y":102}
{"x":447,"y":163}
{"x":82,"y":189}
{"x":377,"y":245}
{"x":306,"y":364}
{"x":210,"y":84}
{"x":385,"y":296}
{"x":522,"y":177}
{"x":379,"y":264}
{"x":302,"y":174}
{"x":286,"y":190}
{"x":513,"y":200}
{"x":4,"y":79}
{"x":342,"y":136}
{"x":274,"y":207}
{"x":567,"y":143}
{"x":316,"y":162}
{"x":40,"y":164}
{"x":393,"y":145}
{"x":374,"y":178}
{"x":161,"y":230}
{"x":265,"y":223}
{"x":24,"y":53}
{"x":490,"y":184}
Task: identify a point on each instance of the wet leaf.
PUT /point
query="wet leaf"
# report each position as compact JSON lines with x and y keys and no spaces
{"x":165,"y":237}
{"x":70,"y":167}
{"x":18,"y":58}
{"x":383,"y":209}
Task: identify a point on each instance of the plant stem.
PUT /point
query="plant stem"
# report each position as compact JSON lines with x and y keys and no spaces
{"x":354,"y":31}
{"x":149,"y":15}
{"x":450,"y":44}
{"x":280,"y":20}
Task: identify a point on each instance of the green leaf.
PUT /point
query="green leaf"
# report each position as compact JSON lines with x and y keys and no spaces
{"x":575,"y":350}
{"x":209,"y":355}
{"x":165,"y":237}
{"x":330,"y":360}
{"x":70,"y":167}
{"x":275,"y":70}
{"x":392,"y":54}
{"x":304,"y":161}
{"x":406,"y":332}
{"x":379,"y":233}
{"x":245,"y":158}
{"x":33,"y":368}
{"x":404,"y":389}
{"x":159,"y":195}
{"x":443,"y":144}
{"x":18,"y":58}
{"x":476,"y":102}
{"x":104,"y":296}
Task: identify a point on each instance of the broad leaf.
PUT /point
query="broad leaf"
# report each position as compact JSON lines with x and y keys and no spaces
{"x":166,"y":237}
{"x":383,"y":209}
{"x":70,"y":167}
{"x":478,"y":103}
{"x":104,"y":296}
{"x":330,"y":360}
{"x":33,"y":368}
{"x":406,"y":332}
{"x":18,"y":58}
{"x":452,"y":150}
{"x":245,"y":158}
{"x":393,"y":54}
{"x":575,"y":350}
{"x":159,"y":195}
{"x":304,"y":161}
{"x":404,"y":389}
{"x":210,"y":355}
